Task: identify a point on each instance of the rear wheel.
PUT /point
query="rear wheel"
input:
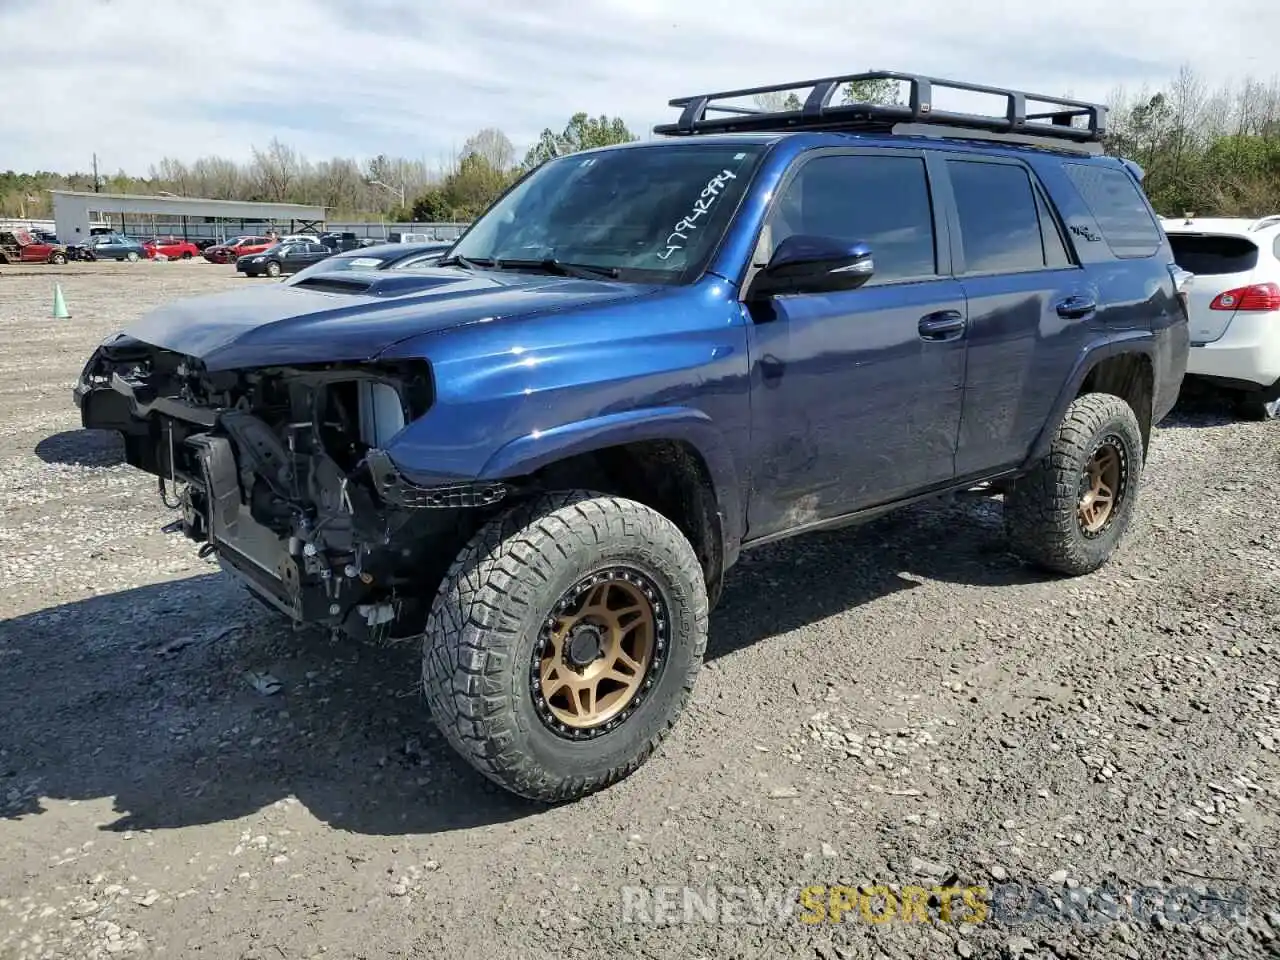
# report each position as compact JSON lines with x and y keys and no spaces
{"x":1068,"y":513}
{"x":1252,"y":408}
{"x":564,"y":643}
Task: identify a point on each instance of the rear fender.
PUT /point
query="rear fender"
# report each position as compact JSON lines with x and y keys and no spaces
{"x":527,"y":454}
{"x":1139,"y":341}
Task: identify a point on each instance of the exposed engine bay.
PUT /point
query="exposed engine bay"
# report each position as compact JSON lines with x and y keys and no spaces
{"x":281,"y":472}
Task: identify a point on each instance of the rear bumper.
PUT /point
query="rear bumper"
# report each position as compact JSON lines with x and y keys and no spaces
{"x":1248,"y":352}
{"x":1169,"y":367}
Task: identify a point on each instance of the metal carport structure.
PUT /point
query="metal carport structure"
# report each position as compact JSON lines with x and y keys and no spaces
{"x":72,"y":209}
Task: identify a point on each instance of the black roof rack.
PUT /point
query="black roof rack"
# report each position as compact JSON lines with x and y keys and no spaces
{"x":1054,"y":126}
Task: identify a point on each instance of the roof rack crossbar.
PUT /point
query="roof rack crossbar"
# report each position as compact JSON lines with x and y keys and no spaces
{"x":817,"y":112}
{"x":1263,"y":222}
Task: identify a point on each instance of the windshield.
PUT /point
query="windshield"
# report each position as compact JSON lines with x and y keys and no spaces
{"x":651,"y":213}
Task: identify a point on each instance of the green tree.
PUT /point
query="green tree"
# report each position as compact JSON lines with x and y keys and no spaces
{"x":580,"y":133}
{"x":885,"y":92}
{"x":432,"y":207}
{"x":465,"y":193}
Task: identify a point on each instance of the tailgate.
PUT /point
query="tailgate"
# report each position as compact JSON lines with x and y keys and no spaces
{"x":1220,"y":262}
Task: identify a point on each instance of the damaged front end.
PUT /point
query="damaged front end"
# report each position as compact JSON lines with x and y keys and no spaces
{"x":281,"y":472}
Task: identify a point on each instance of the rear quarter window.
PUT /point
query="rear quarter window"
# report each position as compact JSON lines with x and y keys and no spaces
{"x":1209,"y":255}
{"x":1117,"y":204}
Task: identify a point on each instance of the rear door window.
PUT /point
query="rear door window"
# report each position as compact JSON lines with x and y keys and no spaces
{"x":999,"y":218}
{"x":1207,"y":255}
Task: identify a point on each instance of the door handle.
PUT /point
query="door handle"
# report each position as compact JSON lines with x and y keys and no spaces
{"x":1076,"y":308}
{"x":943,"y":325}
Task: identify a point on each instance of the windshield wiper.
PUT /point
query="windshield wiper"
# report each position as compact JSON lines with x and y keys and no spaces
{"x":560,"y":268}
{"x":469,"y":262}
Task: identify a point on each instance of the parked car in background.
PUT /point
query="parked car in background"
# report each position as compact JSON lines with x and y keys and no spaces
{"x":172,"y":248}
{"x":1234,"y":303}
{"x":21,"y":246}
{"x":283,"y":258}
{"x":114,"y":246}
{"x":385,"y":256}
{"x":340,"y":241}
{"x":232,"y":250}
{"x":204,"y":243}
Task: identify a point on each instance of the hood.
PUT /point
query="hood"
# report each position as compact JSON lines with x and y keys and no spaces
{"x":356,"y":315}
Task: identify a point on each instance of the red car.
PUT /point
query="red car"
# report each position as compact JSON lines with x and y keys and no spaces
{"x":239,"y":247}
{"x":174,"y":248}
{"x":19,"y":246}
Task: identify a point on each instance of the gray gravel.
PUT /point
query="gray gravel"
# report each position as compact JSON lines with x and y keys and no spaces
{"x":899,"y":706}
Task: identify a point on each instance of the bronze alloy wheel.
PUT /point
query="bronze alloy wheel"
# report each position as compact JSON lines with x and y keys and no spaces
{"x":599,"y":653}
{"x":1102,"y":485}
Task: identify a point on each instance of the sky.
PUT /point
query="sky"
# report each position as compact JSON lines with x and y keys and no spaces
{"x":137,"y":80}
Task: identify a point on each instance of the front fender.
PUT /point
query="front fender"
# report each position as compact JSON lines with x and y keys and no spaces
{"x":533,"y":451}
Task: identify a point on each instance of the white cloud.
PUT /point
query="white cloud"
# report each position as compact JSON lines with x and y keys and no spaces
{"x":135,"y":80}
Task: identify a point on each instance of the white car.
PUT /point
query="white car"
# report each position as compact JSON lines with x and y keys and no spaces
{"x":1234,"y":302}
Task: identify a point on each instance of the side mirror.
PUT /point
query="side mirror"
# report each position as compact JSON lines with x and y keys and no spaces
{"x":809,"y":264}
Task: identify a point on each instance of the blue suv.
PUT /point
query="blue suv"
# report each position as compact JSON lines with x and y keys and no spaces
{"x":543,"y":455}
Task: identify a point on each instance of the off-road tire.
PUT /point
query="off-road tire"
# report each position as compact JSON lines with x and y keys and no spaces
{"x":1251,"y":408}
{"x":1041,"y":511}
{"x":487,"y":616}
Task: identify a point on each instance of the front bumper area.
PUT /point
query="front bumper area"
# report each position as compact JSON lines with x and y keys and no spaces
{"x":340,"y":546}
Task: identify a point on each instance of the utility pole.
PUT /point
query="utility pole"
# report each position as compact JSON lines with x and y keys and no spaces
{"x":97,"y":185}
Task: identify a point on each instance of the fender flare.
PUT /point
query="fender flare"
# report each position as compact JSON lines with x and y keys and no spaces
{"x":528,"y":453}
{"x":1137,"y":341}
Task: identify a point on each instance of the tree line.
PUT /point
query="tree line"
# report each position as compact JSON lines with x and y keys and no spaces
{"x":384,"y":187}
{"x":1211,"y":151}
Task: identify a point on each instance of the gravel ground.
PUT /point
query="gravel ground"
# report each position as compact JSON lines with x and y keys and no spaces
{"x":900,"y":706}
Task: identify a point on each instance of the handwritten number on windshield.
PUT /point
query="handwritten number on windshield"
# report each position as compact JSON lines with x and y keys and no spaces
{"x":680,"y":232}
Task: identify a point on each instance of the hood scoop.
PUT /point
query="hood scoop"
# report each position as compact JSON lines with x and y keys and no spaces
{"x":375,"y":284}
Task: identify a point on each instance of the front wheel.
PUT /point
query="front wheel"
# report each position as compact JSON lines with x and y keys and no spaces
{"x":273,"y":270}
{"x":564,"y":643}
{"x":58,"y":259}
{"x":186,"y":255}
{"x":1068,"y":513}
{"x":132,"y":256}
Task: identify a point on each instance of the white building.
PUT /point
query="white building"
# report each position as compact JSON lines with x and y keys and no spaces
{"x":76,"y":212}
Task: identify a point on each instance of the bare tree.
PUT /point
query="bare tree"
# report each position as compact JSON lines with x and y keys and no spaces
{"x":174,"y":175}
{"x":275,"y":169}
{"x":493,"y":146}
